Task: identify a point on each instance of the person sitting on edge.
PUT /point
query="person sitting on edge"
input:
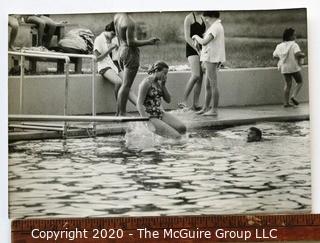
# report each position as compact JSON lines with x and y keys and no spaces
{"x":103,"y":46}
{"x":290,"y":60}
{"x":129,"y":55}
{"x":44,"y":25}
{"x":151,"y":91}
{"x":254,"y":135}
{"x":212,"y":54}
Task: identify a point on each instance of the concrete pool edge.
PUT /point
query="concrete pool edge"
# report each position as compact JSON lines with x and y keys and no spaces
{"x":44,"y":94}
{"x":240,"y":116}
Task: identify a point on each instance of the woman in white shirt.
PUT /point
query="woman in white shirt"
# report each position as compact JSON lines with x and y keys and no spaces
{"x":212,"y":54}
{"x":289,"y":58}
{"x":103,"y":47}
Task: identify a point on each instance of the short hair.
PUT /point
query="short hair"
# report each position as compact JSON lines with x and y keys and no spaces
{"x":157,"y":66}
{"x":110,"y":27}
{"x":257,"y":131}
{"x":287,"y":34}
{"x":211,"y":14}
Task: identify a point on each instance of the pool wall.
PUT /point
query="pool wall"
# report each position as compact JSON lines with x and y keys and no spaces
{"x":44,"y":94}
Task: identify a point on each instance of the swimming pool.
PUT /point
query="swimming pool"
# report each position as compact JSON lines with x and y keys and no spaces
{"x":210,"y":172}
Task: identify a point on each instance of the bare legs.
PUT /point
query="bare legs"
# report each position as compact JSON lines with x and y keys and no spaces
{"x":14,"y":24}
{"x":115,"y":79}
{"x":287,"y":87}
{"x":123,"y":94}
{"x":169,"y":126}
{"x":212,"y":90}
{"x":298,"y":77}
{"x":43,"y":23}
{"x":195,"y":81}
{"x":51,"y":25}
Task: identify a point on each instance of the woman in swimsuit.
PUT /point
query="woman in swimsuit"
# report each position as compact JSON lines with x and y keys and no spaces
{"x":151,"y":91}
{"x":193,"y":25}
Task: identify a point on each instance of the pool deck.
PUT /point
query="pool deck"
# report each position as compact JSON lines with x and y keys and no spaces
{"x":229,"y":116}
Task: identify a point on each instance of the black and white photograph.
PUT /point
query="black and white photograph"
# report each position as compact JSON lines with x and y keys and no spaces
{"x":158,"y":113}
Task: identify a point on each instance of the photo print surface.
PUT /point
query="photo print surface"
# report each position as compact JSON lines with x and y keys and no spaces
{"x":200,"y":113}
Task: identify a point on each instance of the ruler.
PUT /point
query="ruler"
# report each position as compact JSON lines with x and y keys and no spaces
{"x":211,"y":228}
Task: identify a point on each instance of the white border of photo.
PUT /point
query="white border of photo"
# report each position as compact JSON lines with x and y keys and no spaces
{"x":102,"y":6}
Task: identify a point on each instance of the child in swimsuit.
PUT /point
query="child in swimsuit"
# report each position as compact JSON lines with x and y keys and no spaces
{"x":289,"y":58}
{"x":151,"y":92}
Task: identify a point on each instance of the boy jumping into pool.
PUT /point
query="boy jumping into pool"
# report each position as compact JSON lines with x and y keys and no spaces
{"x":290,"y":59}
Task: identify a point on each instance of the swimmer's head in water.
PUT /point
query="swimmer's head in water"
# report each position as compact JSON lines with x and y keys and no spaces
{"x":254,"y":135}
{"x":160,"y":69}
{"x":110,"y":30}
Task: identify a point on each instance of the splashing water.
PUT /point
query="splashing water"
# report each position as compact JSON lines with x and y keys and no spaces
{"x":140,"y":136}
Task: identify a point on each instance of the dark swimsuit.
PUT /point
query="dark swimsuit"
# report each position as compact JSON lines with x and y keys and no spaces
{"x":152,"y":101}
{"x":195,"y":29}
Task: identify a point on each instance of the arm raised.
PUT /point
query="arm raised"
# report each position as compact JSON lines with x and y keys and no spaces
{"x":132,"y":41}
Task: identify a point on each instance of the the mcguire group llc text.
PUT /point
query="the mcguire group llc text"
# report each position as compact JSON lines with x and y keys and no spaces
{"x":145,"y":233}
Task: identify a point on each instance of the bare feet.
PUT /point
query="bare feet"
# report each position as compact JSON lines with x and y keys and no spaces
{"x":182,"y":105}
{"x":13,"y":48}
{"x":203,"y":110}
{"x":294,"y":101}
{"x":287,"y":105}
{"x":196,"y":108}
{"x":211,"y":113}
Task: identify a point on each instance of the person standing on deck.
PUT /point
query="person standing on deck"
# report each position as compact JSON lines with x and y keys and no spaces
{"x":290,"y":59}
{"x":213,"y":54}
{"x":193,"y":25}
{"x":129,"y":55}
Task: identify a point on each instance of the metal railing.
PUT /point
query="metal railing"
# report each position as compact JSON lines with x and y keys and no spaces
{"x":93,"y":70}
{"x":63,"y":56}
{"x":76,"y":118}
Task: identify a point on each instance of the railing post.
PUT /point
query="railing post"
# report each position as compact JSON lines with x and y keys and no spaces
{"x":66,"y":97}
{"x":21,"y":84}
{"x":93,"y":69}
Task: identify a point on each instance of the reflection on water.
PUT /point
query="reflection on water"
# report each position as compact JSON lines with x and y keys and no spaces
{"x":211,"y":172}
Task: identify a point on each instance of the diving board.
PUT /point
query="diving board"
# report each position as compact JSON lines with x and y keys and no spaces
{"x":18,"y":117}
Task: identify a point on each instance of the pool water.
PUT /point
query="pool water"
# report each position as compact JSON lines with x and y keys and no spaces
{"x":210,"y":172}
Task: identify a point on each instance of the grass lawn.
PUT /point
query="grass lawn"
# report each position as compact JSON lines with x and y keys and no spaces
{"x":251,"y":36}
{"x":240,"y":53}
